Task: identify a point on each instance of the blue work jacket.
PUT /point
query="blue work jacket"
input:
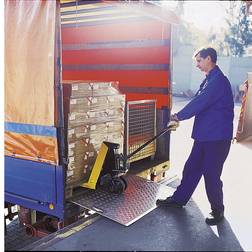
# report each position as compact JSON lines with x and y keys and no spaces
{"x":213,"y":108}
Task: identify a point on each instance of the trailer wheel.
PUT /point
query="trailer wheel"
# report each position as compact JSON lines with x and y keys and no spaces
{"x":49,"y":223}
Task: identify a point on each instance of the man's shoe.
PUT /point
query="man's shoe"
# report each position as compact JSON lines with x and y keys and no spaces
{"x":214,"y":218}
{"x":168,"y":202}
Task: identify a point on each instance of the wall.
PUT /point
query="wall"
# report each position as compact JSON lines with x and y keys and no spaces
{"x":186,"y":76}
{"x":239,"y":67}
{"x":182,"y":68}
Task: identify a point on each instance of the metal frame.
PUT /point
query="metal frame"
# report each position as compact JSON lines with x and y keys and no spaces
{"x":37,"y":197}
{"x":127,"y":121}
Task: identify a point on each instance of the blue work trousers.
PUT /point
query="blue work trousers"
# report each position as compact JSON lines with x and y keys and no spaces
{"x":207,"y":159}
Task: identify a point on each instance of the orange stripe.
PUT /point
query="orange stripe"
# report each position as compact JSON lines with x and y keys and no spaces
{"x":36,"y":148}
{"x":128,"y":78}
{"x":115,"y":32}
{"x":147,"y":55}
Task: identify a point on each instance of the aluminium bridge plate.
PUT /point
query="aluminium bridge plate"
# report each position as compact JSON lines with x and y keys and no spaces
{"x":136,"y":201}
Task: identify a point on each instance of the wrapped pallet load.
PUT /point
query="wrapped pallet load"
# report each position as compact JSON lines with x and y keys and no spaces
{"x":93,"y":112}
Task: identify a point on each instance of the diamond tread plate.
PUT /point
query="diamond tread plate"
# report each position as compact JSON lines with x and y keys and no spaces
{"x":138,"y":200}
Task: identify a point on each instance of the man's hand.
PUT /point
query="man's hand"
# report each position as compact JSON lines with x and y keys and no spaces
{"x":173,"y":123}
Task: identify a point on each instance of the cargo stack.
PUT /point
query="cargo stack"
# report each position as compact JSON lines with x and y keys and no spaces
{"x":94,"y":112}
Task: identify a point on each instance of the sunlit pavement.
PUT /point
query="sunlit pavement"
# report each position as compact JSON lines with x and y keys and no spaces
{"x":236,"y":177}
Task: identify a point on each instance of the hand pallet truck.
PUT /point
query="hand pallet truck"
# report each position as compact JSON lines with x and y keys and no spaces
{"x":110,"y":166}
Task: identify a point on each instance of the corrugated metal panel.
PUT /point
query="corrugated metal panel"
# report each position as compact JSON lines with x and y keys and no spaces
{"x":132,"y":49}
{"x":78,"y":11}
{"x":142,"y":55}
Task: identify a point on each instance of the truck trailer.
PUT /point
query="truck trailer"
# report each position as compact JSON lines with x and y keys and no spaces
{"x":52,"y":47}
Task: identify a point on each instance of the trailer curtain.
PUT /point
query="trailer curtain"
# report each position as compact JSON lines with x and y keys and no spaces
{"x":29,"y":77}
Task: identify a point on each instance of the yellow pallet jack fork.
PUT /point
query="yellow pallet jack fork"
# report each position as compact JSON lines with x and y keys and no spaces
{"x":97,"y":167}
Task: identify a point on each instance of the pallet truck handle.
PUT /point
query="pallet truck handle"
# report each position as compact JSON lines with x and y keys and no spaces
{"x":149,"y":141}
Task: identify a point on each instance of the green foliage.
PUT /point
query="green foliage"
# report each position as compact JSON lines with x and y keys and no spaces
{"x":239,"y":34}
{"x":185,"y":33}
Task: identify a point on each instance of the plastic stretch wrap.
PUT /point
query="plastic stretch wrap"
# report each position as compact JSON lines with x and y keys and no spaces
{"x":29,"y":61}
{"x":94,"y":112}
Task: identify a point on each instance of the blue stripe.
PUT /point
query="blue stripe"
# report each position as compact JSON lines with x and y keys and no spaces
{"x":65,"y":19}
{"x":81,"y":2}
{"x":107,"y":21}
{"x":84,"y":67}
{"x":145,"y":90}
{"x":97,"y":9}
{"x":30,"y":129}
{"x":117,"y":44}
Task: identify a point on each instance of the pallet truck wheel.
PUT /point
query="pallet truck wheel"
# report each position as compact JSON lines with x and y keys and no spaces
{"x":120,"y":186}
{"x":116,"y":186}
{"x":111,"y":186}
{"x":125,"y":182}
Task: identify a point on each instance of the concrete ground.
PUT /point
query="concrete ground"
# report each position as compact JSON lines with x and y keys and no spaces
{"x":184,"y":229}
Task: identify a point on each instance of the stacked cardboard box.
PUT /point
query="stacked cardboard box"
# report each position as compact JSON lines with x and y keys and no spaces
{"x":94,"y":112}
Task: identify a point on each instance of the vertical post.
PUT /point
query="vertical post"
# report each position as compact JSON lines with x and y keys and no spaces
{"x":163,"y":114}
{"x":59,"y":116}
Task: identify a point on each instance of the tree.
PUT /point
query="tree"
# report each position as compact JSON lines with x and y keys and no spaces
{"x":239,"y":33}
{"x":217,"y":41}
{"x":185,"y":33}
{"x":236,"y":34}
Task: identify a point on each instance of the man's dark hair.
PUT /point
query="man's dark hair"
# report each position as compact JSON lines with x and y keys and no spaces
{"x":207,"y":52}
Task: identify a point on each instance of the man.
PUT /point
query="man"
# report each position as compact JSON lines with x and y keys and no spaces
{"x":213,"y":108}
